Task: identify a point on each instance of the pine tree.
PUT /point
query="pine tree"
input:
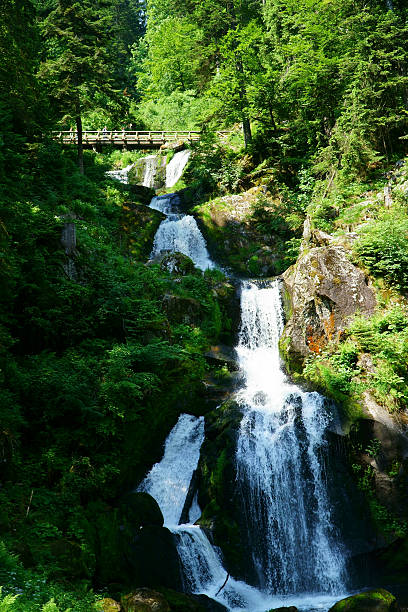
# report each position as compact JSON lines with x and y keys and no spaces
{"x":77,"y":68}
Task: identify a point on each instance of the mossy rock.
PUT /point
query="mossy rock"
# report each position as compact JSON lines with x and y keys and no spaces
{"x":181,"y":602}
{"x":176,"y":263}
{"x":108,"y":605}
{"x":284,"y":609}
{"x":181,"y":309}
{"x":218,"y":494}
{"x":378,"y":600}
{"x":145,"y":600}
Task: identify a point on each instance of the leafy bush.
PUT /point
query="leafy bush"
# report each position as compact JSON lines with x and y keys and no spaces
{"x":383,"y":247}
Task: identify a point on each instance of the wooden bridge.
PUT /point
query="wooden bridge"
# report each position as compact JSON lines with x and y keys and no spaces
{"x":129,"y":139}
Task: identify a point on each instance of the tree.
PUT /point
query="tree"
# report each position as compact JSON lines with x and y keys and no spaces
{"x":77,"y":68}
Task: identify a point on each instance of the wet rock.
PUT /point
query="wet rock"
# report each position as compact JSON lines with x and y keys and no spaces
{"x":222,"y":355}
{"x":109,"y":605}
{"x":175,"y":263}
{"x":323,"y":290}
{"x":151,"y":169}
{"x":182,"y":309}
{"x":378,"y":600}
{"x":219,"y":496}
{"x":145,"y":600}
{"x":141,"y":509}
{"x":284,"y":609}
{"x":181,"y":602}
{"x":152,"y":557}
{"x":142,"y":194}
{"x":208,"y":604}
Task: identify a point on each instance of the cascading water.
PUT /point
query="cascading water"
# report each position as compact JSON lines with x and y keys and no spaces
{"x":150,"y":170}
{"x":175,"y":167}
{"x":280,"y":471}
{"x":121,"y":175}
{"x":168,"y":481}
{"x":179,"y":233}
{"x":279,"y":468}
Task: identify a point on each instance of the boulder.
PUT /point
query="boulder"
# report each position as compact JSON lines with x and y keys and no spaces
{"x":378,"y":600}
{"x":175,"y":263}
{"x":323,"y":290}
{"x":152,"y":557}
{"x":222,"y":355}
{"x":145,"y":600}
{"x":285,"y":609}
{"x":108,"y":605}
{"x":152,"y":169}
{"x":219,"y":496}
{"x":181,"y":602}
{"x":181,"y":309}
{"x":141,"y":509}
{"x":142,"y":194}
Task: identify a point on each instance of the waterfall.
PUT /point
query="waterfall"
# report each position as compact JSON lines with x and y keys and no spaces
{"x":279,"y":469}
{"x":150,"y":171}
{"x":291,"y":540}
{"x":121,"y":175}
{"x":179,"y":233}
{"x":175,"y":167}
{"x":168,"y":481}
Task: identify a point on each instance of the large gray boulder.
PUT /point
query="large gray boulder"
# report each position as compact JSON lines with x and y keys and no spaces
{"x":322,"y":292}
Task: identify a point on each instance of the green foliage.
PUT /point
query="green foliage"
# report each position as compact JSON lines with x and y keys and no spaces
{"x":383,"y":247}
{"x":385,"y":338}
{"x":93,"y":369}
{"x":385,"y":521}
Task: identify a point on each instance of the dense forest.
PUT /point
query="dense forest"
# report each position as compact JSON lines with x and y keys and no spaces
{"x":95,"y":369}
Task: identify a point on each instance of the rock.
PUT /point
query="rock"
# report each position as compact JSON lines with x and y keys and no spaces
{"x":109,"y":605}
{"x":142,"y":194}
{"x":284,"y":609}
{"x":222,"y":355}
{"x":219,"y":497}
{"x":182,"y":309}
{"x":175,"y":263}
{"x":145,"y":600}
{"x":208,"y":604}
{"x":141,"y":509}
{"x":139,"y":225}
{"x":378,"y":600}
{"x":181,"y":602}
{"x":151,"y":166}
{"x":323,"y":290}
{"x":152,"y":557}
{"x":180,"y":145}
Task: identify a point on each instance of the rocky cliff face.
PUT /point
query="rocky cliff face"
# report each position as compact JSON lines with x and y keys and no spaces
{"x":322,"y":291}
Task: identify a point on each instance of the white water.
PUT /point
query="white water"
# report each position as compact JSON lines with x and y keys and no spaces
{"x":168,"y":481}
{"x":150,"y":170}
{"x":179,"y":233}
{"x":121,"y":175}
{"x":162,"y":203}
{"x":280,"y":476}
{"x":175,"y":167}
{"x":292,"y":539}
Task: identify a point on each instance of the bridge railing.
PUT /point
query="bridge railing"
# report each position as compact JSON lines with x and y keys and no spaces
{"x":130,"y":136}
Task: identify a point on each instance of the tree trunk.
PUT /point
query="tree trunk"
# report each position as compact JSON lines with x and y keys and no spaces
{"x":246,"y":124}
{"x":80,"y":145}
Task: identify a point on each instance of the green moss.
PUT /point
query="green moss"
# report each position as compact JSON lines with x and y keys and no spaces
{"x":383,"y":602}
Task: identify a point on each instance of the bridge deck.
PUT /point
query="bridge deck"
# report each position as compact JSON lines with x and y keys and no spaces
{"x":126,"y":138}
